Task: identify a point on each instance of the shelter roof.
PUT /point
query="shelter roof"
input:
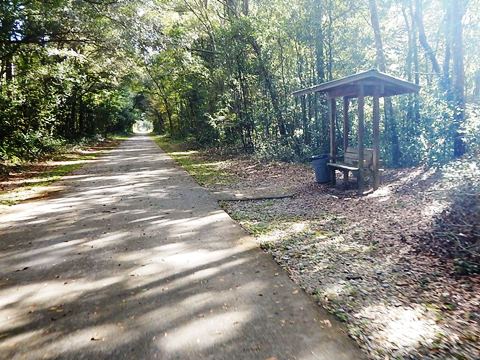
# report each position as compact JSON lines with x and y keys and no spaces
{"x":349,"y":86}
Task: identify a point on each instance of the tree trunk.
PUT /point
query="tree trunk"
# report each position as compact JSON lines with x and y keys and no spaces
{"x":423,"y":38}
{"x":169,"y":115}
{"x":416,"y":66}
{"x":246,"y":7}
{"x":8,"y":70}
{"x":282,"y":71}
{"x":230,"y":8}
{"x":410,"y":42}
{"x":458,"y":73}
{"x":390,"y":123}
{"x":72,"y":117}
{"x":381,"y":63}
{"x":448,"y":46}
{"x":319,"y":48}
{"x":246,"y":121}
{"x":476,"y":87}
{"x":412,"y":64}
{"x":307,"y":134}
{"x":330,"y":42}
{"x":322,"y":122}
{"x":158,"y":123}
{"x":269,"y":84}
{"x":82,"y":128}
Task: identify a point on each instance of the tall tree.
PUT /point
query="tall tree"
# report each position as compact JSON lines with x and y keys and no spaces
{"x":429,"y":52}
{"x":390,"y":122}
{"x":452,"y":80}
{"x":457,"y":11}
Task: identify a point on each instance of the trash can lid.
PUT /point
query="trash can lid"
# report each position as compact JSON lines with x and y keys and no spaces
{"x":319,"y":157}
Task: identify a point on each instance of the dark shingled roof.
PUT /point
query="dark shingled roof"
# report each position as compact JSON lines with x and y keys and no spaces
{"x":371,"y":79}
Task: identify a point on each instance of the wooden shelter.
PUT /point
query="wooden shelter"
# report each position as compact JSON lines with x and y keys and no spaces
{"x":368,"y":83}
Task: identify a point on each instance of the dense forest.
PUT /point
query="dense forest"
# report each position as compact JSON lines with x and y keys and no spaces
{"x":222,"y":72}
{"x":111,"y":242}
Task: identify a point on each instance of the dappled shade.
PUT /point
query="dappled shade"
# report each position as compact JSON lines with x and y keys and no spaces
{"x":136,"y":260}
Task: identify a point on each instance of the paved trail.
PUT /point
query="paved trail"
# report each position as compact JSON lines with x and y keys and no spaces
{"x":134,"y":260}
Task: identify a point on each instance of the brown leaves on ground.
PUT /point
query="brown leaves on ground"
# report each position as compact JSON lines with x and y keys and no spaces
{"x":16,"y":176}
{"x":366,"y":258}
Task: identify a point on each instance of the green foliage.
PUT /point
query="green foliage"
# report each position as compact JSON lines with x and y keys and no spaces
{"x":209,"y":71}
{"x":57,"y":85}
{"x":436,"y":142}
{"x":28,"y":146}
{"x":472,"y":128}
{"x":226,"y":80}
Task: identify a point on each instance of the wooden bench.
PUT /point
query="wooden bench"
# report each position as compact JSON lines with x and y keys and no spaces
{"x":350,"y":163}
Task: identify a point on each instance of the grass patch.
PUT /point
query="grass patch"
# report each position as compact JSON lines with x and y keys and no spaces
{"x":8,"y":202}
{"x":46,"y":178}
{"x":205,"y":171}
{"x":59,"y":171}
{"x":259,"y":228}
{"x":341,"y":315}
{"x":120,"y":137}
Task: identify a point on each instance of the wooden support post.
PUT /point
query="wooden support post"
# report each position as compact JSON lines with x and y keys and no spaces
{"x":376,"y":138}
{"x":346,"y":123}
{"x":361,"y":126}
{"x":346,"y":129}
{"x":332,"y":113}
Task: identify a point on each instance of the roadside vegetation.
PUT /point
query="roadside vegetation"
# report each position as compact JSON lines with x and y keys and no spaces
{"x":398,"y":266}
{"x":28,"y":180}
{"x":206,"y":169}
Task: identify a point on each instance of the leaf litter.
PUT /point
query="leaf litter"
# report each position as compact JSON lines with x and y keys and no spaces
{"x":378,"y":261}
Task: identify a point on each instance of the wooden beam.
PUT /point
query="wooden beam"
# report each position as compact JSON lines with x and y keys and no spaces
{"x":346,"y":129}
{"x":332,"y":113}
{"x":348,"y":90}
{"x":361,"y":128}
{"x":376,"y":139}
{"x":346,"y":123}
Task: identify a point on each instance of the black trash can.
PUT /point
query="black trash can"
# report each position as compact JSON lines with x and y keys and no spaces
{"x":319,"y":165}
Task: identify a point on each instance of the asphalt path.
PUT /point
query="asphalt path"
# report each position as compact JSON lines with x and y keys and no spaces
{"x":134,"y":260}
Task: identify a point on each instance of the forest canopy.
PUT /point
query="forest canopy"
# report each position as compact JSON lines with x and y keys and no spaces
{"x":222,"y":72}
